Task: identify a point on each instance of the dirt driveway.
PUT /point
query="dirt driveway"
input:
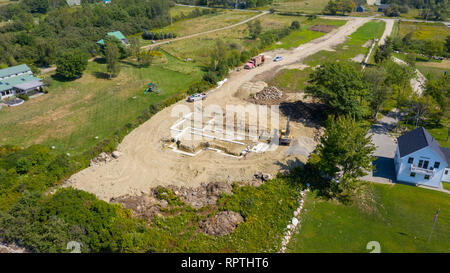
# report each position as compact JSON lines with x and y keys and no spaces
{"x":145,"y":163}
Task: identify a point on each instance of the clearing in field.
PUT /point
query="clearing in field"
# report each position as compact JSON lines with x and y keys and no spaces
{"x":75,"y":115}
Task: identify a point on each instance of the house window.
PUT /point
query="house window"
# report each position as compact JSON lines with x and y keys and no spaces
{"x":436,"y":165}
{"x":412,"y":174}
{"x":420,"y":163}
{"x":410,"y":160}
{"x":446,"y":172}
{"x":427,"y":177}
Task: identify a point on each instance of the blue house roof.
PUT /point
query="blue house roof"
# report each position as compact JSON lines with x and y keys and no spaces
{"x":418,"y":139}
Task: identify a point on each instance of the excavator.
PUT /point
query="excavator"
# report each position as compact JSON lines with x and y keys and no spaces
{"x":285,"y":135}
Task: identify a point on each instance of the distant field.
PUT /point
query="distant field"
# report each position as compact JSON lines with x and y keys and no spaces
{"x":5,"y":2}
{"x":307,"y":6}
{"x":198,"y":48}
{"x":204,"y":23}
{"x":389,"y":214}
{"x":305,"y":35}
{"x":72,"y":114}
{"x":424,"y":31}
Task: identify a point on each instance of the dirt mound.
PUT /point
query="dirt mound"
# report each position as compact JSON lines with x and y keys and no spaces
{"x":148,"y":205}
{"x":306,"y":112}
{"x":205,"y":195}
{"x":323,"y":28}
{"x":145,"y":206}
{"x":249,"y":88}
{"x":269,"y":95}
{"x":223,"y":223}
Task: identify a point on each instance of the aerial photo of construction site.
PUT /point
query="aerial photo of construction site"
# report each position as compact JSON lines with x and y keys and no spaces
{"x":272,"y":126}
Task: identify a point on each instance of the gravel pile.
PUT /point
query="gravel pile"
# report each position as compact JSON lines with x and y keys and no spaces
{"x":269,"y":95}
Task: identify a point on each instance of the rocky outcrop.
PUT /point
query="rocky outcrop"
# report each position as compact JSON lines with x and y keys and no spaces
{"x":221,"y":224}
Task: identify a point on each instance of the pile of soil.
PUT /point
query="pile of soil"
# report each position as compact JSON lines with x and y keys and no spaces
{"x":309,"y":113}
{"x":269,"y":95}
{"x":322,"y":28}
{"x":221,"y":224}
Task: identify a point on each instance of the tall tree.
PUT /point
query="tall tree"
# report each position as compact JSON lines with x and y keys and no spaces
{"x":112,"y":59}
{"x":135,"y":48}
{"x":379,"y":90}
{"x":345,"y":151}
{"x":254,"y":29}
{"x":341,"y":87}
{"x":71,"y":64}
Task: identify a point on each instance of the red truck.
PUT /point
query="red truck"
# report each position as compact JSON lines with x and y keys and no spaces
{"x":254,"y":62}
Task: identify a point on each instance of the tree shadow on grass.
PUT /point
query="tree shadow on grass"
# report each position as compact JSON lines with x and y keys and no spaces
{"x":100,"y":60}
{"x":100,"y":75}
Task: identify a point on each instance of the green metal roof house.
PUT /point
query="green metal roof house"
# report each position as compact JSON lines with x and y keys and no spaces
{"x":17,"y":80}
{"x":116,"y":34}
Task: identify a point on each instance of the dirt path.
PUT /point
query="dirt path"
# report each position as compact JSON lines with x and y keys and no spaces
{"x":417,"y":83}
{"x":144,"y":162}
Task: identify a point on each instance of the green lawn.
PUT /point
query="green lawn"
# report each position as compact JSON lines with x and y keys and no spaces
{"x":446,"y":185}
{"x":399,"y":217}
{"x":292,"y":80}
{"x":73,"y":113}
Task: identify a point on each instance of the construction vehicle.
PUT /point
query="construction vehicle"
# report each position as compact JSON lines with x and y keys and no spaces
{"x":255,"y":61}
{"x":285,"y":135}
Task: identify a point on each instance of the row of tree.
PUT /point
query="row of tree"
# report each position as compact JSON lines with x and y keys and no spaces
{"x":241,"y":4}
{"x":35,"y":39}
{"x":146,"y":35}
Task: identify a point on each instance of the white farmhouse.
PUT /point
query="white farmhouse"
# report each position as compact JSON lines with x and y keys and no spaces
{"x":419,"y":159}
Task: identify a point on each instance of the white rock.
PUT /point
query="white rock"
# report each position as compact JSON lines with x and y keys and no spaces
{"x":116,"y":154}
{"x":295,"y":221}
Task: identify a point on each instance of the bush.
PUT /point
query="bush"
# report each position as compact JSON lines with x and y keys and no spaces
{"x":25,"y":97}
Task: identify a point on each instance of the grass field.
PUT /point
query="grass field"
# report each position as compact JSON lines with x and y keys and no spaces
{"x":305,"y":35}
{"x":203,"y":23}
{"x":5,"y":2}
{"x":399,"y":217}
{"x":424,"y":31}
{"x":307,"y":6}
{"x":352,"y":47}
{"x":72,"y":114}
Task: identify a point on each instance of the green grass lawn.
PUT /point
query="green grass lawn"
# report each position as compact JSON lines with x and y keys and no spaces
{"x":73,"y":113}
{"x":446,"y":185}
{"x":399,"y":217}
{"x":292,"y":80}
{"x":352,"y":47}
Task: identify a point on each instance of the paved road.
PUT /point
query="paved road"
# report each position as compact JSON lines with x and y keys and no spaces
{"x":385,"y":149}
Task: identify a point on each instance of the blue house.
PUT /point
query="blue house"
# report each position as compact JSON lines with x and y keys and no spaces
{"x":419,"y":159}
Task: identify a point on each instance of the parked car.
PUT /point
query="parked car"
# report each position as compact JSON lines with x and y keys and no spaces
{"x":278,"y":58}
{"x":196,"y":96}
